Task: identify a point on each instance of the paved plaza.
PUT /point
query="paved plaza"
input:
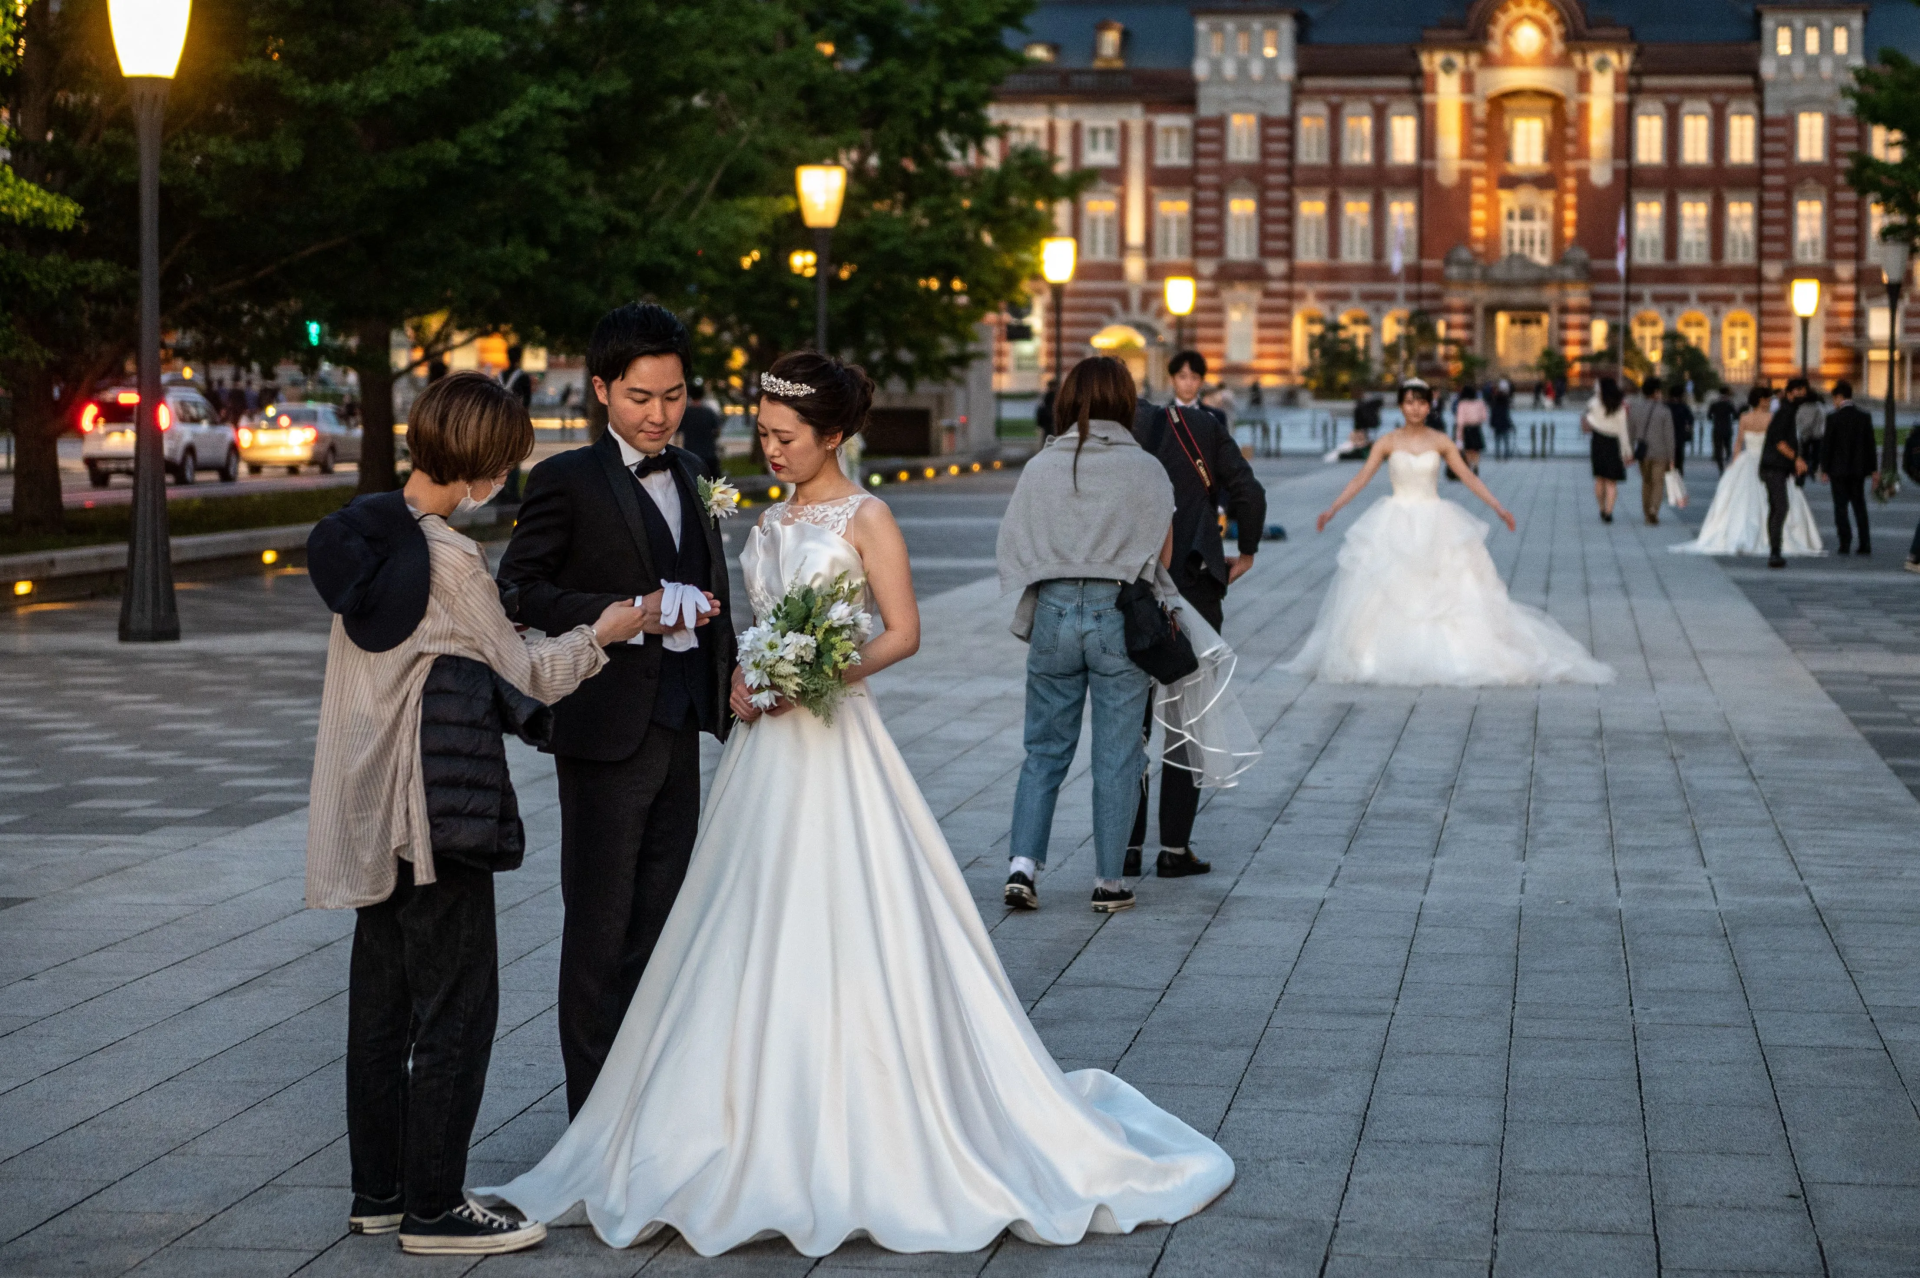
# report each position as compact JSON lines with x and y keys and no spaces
{"x":1557,"y":982}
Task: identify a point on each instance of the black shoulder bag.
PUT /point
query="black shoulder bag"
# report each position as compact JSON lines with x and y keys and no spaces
{"x":1155,"y":641}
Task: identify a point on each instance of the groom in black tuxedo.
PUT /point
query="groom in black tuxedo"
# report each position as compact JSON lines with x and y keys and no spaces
{"x":618,"y":520}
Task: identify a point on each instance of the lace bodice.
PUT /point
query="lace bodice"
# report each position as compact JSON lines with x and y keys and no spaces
{"x":799,"y":546}
{"x":1415,"y":476}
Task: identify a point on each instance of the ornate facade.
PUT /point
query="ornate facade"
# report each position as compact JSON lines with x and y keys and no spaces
{"x":1528,"y":173}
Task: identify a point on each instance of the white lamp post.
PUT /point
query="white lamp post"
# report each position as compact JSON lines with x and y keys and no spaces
{"x":1056,"y":267}
{"x":1806,"y":303}
{"x":822,"y":189}
{"x":1179,"y":292}
{"x":147,"y":36}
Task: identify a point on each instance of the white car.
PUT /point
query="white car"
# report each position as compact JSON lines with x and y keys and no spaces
{"x":192,"y":436}
{"x":296,"y":435}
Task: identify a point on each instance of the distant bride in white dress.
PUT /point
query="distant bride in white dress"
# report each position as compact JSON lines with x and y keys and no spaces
{"x":1416,"y":600}
{"x":824,"y":1045}
{"x":1736,"y":522}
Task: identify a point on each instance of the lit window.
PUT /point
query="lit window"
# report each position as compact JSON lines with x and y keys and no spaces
{"x":1243,"y":228}
{"x":1356,"y":138}
{"x":1739,"y":244}
{"x":1241,"y":314}
{"x":1310,"y":239}
{"x":1597,"y":335}
{"x":1876,"y":222}
{"x":1100,"y":144}
{"x":1109,"y":39}
{"x":1809,"y":229}
{"x":1041,"y":51}
{"x":1810,"y":137}
{"x":1172,"y":233}
{"x":1783,"y":41}
{"x":1650,"y":139}
{"x":1740,"y":135}
{"x":1313,"y":139}
{"x":1527,"y":141}
{"x":1813,"y":41}
{"x":1099,"y":229}
{"x":1736,"y":346}
{"x":1243,"y":138}
{"x":1217,"y":43}
{"x":1696,"y":138}
{"x":1649,"y":239}
{"x":1886,"y":144}
{"x":1528,"y":231}
{"x":1356,"y":230}
{"x":1270,"y":43}
{"x":1693,"y":231}
{"x":1403,"y":139}
{"x":1243,"y":43}
{"x":1174,"y":144}
{"x":1840,"y":42}
{"x":1648,"y":329}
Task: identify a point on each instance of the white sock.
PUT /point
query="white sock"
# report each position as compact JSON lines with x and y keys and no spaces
{"x":1110,"y":885}
{"x":1023,"y":865}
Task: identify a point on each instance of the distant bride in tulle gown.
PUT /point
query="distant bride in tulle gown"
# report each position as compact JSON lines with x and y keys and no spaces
{"x":1416,"y":600}
{"x":1736,"y":522}
{"x":824,"y":1044}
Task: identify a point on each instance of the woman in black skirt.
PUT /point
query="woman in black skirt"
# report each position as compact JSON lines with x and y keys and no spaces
{"x":1469,"y":423}
{"x":1606,"y":421}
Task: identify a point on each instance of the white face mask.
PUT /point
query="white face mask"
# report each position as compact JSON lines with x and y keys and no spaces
{"x":468,"y":504}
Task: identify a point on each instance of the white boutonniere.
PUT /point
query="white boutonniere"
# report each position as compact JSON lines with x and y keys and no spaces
{"x":721,"y":499}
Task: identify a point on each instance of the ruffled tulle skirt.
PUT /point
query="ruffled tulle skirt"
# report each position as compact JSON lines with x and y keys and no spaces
{"x":1416,"y":601}
{"x":1736,"y":522}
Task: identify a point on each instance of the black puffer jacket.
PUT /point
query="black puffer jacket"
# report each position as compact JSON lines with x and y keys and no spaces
{"x":464,"y":710}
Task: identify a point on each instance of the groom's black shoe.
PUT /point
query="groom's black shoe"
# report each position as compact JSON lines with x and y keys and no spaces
{"x":1020,"y":894}
{"x":470,"y":1230}
{"x":376,"y":1215}
{"x":1130,"y":869}
{"x":1776,"y":561}
{"x":1107,"y":901}
{"x":1180,"y":863}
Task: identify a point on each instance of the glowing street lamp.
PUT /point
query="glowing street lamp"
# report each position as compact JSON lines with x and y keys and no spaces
{"x":1179,"y":290}
{"x":1806,"y":302}
{"x":147,"y":37}
{"x":822,"y":189}
{"x":1056,"y":267}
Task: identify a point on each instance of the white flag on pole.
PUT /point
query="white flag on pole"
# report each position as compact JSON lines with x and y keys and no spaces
{"x":1399,"y":243}
{"x":1620,"y":245}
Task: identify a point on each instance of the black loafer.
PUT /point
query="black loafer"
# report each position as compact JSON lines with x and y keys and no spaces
{"x":376,"y":1215}
{"x":1020,"y":893}
{"x":1107,"y":902}
{"x":1776,"y":562}
{"x":1130,"y":869}
{"x":1178,"y":865}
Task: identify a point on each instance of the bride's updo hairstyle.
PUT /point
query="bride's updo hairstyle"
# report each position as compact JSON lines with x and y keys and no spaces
{"x":827,"y":393}
{"x":1414,"y":388}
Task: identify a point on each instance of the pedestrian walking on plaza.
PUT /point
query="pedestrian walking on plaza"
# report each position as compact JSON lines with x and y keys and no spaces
{"x":1849,"y":460}
{"x":1470,"y":416}
{"x":1682,"y":426}
{"x":1500,"y":416}
{"x":700,"y":429}
{"x":1780,"y":462}
{"x":1650,"y":433}
{"x":1209,"y":474}
{"x":1606,"y":420}
{"x":1043,"y":411}
{"x":1722,"y":413}
{"x":1811,"y":424}
{"x":1092,"y":510}
{"x":413,"y":812}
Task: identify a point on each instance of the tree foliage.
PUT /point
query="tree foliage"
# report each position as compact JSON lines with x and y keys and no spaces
{"x":1887,"y":93}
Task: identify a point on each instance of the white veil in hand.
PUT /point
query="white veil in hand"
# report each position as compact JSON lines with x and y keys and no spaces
{"x":1201,"y":712}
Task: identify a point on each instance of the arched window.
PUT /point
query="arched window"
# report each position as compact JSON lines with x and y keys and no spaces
{"x":1647,"y":331}
{"x":1307,"y":325}
{"x":1358,"y":325}
{"x":1696,"y":329}
{"x":1737,"y":347}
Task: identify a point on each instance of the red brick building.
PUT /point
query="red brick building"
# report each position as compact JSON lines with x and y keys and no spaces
{"x":1491,"y":165}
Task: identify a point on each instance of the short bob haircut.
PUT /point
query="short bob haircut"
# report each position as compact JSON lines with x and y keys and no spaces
{"x":1414,"y":388}
{"x":467,"y":427}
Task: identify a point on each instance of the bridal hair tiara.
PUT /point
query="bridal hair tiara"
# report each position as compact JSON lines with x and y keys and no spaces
{"x":771,"y":385}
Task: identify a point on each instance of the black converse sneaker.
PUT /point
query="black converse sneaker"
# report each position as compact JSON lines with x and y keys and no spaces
{"x":376,"y":1215}
{"x":1020,"y":893}
{"x":470,"y":1230}
{"x":1108,"y":901}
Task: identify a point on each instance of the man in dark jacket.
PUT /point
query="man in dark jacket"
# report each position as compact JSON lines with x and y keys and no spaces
{"x":1849,"y":457}
{"x":1682,"y":424}
{"x":1208,"y":473}
{"x":1722,"y":412}
{"x":700,"y":429}
{"x":1779,"y":462}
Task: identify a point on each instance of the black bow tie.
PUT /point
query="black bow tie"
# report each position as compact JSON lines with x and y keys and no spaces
{"x":649,"y":465}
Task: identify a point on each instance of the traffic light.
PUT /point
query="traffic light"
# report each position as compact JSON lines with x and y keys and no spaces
{"x":313,"y":332}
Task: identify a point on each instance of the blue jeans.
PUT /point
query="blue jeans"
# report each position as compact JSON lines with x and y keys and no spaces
{"x":1079,"y":644}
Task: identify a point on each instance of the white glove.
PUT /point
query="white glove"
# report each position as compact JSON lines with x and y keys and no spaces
{"x":680,"y":606}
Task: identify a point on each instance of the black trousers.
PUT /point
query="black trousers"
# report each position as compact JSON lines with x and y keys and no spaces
{"x":626,"y":835}
{"x":1722,"y":446}
{"x":1179,"y":795}
{"x":1776,"y":482}
{"x":1850,"y":492}
{"x":423,"y":998}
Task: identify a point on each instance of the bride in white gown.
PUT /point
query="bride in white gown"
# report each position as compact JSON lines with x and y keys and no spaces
{"x":1416,"y":600}
{"x":1736,"y":522}
{"x":824,"y":1044}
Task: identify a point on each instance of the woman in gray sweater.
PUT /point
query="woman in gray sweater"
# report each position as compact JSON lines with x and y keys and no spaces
{"x":1092,"y":510}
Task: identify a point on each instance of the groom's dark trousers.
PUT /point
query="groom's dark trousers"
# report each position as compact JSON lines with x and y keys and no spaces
{"x":626,"y":744}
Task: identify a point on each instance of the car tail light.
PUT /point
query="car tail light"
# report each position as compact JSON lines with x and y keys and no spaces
{"x":127,"y":397}
{"x":166,"y":418}
{"x":246,"y":437}
{"x":284,"y":419}
{"x":308,"y":434}
{"x":89,"y":418}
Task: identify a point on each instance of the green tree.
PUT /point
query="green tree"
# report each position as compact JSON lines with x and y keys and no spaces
{"x":1682,"y":362}
{"x":1338,"y":363}
{"x":1887,"y":93}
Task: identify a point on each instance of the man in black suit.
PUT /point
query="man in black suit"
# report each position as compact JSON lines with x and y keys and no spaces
{"x":619,"y":520}
{"x":1722,"y":412}
{"x":1208,"y":472}
{"x":1849,"y":457}
{"x":1780,"y":462}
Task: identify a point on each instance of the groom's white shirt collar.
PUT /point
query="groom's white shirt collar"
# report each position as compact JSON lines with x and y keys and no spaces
{"x":659,"y":485}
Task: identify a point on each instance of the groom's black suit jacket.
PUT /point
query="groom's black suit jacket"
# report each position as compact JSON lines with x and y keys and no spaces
{"x":581,"y":543}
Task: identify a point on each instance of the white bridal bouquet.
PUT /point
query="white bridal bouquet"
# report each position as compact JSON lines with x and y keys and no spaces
{"x":805,"y":647}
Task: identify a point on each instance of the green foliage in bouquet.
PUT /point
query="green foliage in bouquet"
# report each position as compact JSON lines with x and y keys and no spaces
{"x":802,"y":650}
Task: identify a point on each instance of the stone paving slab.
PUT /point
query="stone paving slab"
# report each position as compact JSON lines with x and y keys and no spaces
{"x":1518,"y":981}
